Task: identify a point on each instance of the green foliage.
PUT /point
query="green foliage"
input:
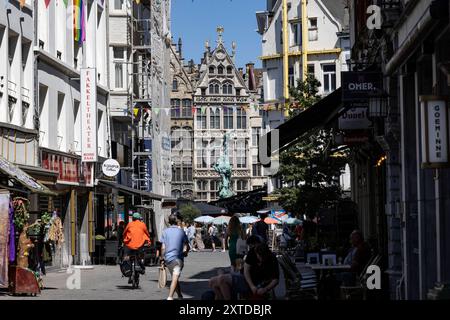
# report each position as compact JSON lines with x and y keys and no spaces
{"x":21,"y":212}
{"x":311,"y":168}
{"x":304,"y":95}
{"x":189,"y":213}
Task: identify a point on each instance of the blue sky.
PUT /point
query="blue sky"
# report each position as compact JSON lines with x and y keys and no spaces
{"x":195,"y":21}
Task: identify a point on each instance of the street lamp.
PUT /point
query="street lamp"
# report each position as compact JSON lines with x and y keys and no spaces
{"x":378,"y":105}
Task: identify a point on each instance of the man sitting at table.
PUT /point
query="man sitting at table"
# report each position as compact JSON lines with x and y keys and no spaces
{"x":357,"y":258}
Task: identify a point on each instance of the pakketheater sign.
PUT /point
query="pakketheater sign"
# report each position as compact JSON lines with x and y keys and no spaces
{"x":435,"y":134}
{"x":88,"y":93}
{"x":359,"y":86}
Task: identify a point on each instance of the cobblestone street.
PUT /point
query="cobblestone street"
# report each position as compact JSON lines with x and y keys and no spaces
{"x":106,"y":282}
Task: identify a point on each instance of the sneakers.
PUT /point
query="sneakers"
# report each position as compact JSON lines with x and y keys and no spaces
{"x":169,"y":298}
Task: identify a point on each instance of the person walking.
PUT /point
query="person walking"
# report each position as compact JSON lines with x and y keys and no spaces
{"x":224,"y":236}
{"x":175,"y":246}
{"x":212,"y":232}
{"x":191,"y":235}
{"x":198,"y":237}
{"x":234,"y":232}
{"x":261,"y":229}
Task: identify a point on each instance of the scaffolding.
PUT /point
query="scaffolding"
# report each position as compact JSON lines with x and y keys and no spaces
{"x":139,"y":38}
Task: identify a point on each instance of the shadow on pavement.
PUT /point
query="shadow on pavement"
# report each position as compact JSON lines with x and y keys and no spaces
{"x":209,"y":274}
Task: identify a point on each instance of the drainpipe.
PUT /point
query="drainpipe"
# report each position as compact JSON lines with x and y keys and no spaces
{"x":285,"y":52}
{"x":36,"y":122}
{"x":305,"y":38}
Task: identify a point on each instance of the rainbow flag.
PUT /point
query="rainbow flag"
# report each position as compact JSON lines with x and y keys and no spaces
{"x":79,"y":21}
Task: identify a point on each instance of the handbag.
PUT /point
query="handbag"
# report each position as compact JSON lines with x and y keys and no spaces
{"x":241,"y":246}
{"x":162,"y":278}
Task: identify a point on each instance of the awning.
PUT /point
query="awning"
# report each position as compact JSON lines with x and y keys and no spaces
{"x":131,"y":191}
{"x":23,"y":178}
{"x":207,"y":209}
{"x":316,"y":116}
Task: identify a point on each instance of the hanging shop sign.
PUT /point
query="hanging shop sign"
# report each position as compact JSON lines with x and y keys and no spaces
{"x":88,"y":115}
{"x":435,"y":135}
{"x":357,"y":86}
{"x":354,"y":119}
{"x":111,"y":168}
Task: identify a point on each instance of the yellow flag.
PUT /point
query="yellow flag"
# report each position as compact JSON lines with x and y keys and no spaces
{"x":22,"y":3}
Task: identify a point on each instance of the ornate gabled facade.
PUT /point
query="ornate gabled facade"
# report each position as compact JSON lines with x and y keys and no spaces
{"x":222,"y":106}
{"x":182,"y":123}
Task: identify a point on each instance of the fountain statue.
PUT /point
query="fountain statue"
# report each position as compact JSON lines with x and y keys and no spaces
{"x":223,"y":168}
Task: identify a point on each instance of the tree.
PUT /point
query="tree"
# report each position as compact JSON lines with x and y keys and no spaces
{"x":189,"y":213}
{"x":311,"y":167}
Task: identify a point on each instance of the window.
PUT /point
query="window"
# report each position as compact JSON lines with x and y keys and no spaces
{"x":228,"y":118}
{"x":175,"y":84}
{"x":187,"y":108}
{"x":256,"y":167}
{"x":118,"y":4}
{"x":256,"y":133}
{"x":176,"y":138}
{"x":187,"y":194}
{"x":214,"y":118}
{"x":11,"y":107}
{"x":311,"y":69}
{"x":201,"y":153}
{"x":241,"y":154}
{"x":201,"y":119}
{"x":215,"y":153}
{"x":241,"y":185}
{"x":296,"y":34}
{"x":175,"y":108}
{"x":176,"y":194}
{"x":119,"y":61}
{"x":202,"y":187}
{"x":227,"y":88}
{"x":212,"y":69}
{"x":329,"y":77}
{"x":214,"y":88}
{"x":291,"y":77}
{"x":214,"y":187}
{"x":25,"y":108}
{"x":241,"y":118}
{"x":220,"y":70}
{"x":176,"y":174}
{"x":313,"y":30}
{"x":229,"y":70}
{"x":186,"y":138}
{"x":187,"y":170}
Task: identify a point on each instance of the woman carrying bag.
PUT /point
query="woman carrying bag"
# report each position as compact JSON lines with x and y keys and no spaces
{"x":234,"y":233}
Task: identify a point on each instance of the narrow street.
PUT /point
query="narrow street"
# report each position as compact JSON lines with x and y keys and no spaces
{"x":106,"y":282}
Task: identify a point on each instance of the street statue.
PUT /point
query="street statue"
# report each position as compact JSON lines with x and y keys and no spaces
{"x":223,"y":168}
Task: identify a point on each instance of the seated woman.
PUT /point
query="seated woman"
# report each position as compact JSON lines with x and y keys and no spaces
{"x":260,"y":276}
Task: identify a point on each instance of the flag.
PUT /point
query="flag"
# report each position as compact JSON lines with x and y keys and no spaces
{"x":194,"y":109}
{"x":156,"y":110}
{"x":138,"y":1}
{"x":79,"y":24}
{"x":65,"y":2}
{"x":203,"y":109}
{"x":22,"y":3}
{"x":47,"y":2}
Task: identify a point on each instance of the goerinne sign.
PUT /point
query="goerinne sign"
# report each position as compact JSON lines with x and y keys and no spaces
{"x":358,"y":86}
{"x":435,"y":135}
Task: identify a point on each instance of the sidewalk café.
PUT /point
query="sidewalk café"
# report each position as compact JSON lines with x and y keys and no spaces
{"x":27,"y":234}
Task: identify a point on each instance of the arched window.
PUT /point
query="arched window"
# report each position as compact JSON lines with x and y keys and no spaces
{"x":212,"y":69}
{"x":229,"y":70}
{"x":176,"y":194}
{"x":188,"y":194}
{"x":227,"y":88}
{"x":175,"y":84}
{"x":220,"y":70}
{"x":214,"y":88}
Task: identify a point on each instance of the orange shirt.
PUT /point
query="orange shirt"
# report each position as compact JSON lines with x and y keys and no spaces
{"x":135,"y":235}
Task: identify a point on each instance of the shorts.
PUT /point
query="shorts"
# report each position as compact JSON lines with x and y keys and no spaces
{"x":239,"y":284}
{"x":175,"y":266}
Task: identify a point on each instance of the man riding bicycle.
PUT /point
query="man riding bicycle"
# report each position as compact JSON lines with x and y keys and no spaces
{"x":135,"y":236}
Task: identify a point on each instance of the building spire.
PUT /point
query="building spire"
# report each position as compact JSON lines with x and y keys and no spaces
{"x":220,"y":31}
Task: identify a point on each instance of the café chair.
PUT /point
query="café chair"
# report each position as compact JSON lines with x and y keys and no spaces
{"x":312,"y":258}
{"x":329,"y":257}
{"x":359,"y":290}
{"x":298,"y":285}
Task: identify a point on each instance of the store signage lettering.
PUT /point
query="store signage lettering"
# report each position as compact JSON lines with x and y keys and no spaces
{"x":88,"y":115}
{"x":354,"y":119}
{"x":357,"y":86}
{"x":434,"y":131}
{"x":110,"y":168}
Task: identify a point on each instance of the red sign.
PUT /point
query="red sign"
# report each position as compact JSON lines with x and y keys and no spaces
{"x":70,"y":169}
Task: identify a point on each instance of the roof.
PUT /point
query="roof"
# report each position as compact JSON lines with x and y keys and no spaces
{"x":336,"y":8}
